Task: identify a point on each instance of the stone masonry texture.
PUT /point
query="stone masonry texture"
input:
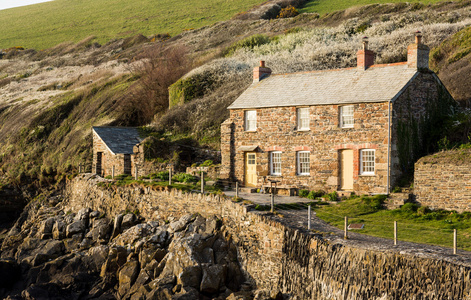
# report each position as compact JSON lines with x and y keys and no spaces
{"x":277,"y":257}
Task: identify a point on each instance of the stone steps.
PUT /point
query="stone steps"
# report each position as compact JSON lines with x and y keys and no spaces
{"x":396,"y":200}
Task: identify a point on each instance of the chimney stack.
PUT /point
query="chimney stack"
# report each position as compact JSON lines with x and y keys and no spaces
{"x":261,"y":72}
{"x":418,"y":53}
{"x":365,"y":57}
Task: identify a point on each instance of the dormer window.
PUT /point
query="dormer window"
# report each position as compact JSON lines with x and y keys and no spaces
{"x":303,"y":118}
{"x":346,"y":116}
{"x":250,"y":120}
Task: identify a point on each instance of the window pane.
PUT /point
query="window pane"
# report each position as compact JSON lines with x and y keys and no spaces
{"x":303,"y":118}
{"x":303,"y":163}
{"x":367,"y":161}
{"x":276,"y":163}
{"x":346,"y":116}
{"x":250,"y":120}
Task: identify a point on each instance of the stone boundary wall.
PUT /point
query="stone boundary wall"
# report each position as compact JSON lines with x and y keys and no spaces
{"x":277,"y":257}
{"x":443,"y":186}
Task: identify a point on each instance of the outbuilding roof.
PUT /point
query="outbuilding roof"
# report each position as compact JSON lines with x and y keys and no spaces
{"x":376,"y":84}
{"x":120,"y":140}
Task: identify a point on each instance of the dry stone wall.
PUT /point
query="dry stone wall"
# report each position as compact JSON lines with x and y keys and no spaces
{"x":276,"y":257}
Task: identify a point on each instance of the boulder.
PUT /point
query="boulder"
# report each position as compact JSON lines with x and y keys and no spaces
{"x":133,"y":234}
{"x":117,"y":225}
{"x":213,"y":278}
{"x":127,"y":276}
{"x":180,"y":224}
{"x":129,"y":220}
{"x":76,"y":227}
{"x":58,"y":230}
{"x":45,"y":229}
{"x":100,"y":231}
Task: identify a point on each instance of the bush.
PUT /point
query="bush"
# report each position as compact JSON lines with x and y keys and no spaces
{"x":249,"y":42}
{"x":409,"y":207}
{"x":423,"y":210}
{"x":333,"y":196}
{"x":303,"y":193}
{"x":314,"y":194}
{"x":183,"y":177}
{"x":161,"y":175}
{"x":207,"y":163}
{"x":288,"y":12}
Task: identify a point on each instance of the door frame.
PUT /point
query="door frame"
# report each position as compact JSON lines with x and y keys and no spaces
{"x":246,"y":181}
{"x":346,"y":171}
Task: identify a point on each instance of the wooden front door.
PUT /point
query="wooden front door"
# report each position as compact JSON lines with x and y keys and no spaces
{"x":250,"y":169}
{"x":346,"y":169}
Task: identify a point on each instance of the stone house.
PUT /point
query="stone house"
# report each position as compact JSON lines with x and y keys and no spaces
{"x":354,"y":129}
{"x":118,"y":147}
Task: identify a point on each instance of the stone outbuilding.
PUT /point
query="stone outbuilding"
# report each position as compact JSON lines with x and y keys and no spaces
{"x":117,"y":147}
{"x":354,"y":129}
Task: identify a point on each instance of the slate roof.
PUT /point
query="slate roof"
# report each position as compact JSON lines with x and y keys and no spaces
{"x":376,"y":84}
{"x":120,"y":140}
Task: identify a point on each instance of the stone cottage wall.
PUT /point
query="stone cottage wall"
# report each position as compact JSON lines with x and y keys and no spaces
{"x":277,"y":257}
{"x":416,"y":118}
{"x":443,"y":185}
{"x":276,"y":131}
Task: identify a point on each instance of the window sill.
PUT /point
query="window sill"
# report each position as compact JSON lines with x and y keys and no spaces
{"x":303,"y":175}
{"x":351,"y":127}
{"x":303,"y":130}
{"x":367,"y":175}
{"x":250,"y":130}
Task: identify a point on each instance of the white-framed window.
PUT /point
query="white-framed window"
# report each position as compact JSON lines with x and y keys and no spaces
{"x":346,"y":116}
{"x":367,"y":162}
{"x":303,"y":162}
{"x":275,"y":163}
{"x":250,"y":120}
{"x":303,"y":118}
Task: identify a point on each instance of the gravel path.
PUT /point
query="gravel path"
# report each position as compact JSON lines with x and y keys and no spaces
{"x":298,"y":219}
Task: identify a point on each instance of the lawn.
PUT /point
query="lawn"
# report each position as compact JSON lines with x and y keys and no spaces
{"x":415,"y":224}
{"x":47,"y":24}
{"x":327,"y":6}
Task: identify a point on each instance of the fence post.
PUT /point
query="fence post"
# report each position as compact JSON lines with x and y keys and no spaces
{"x":202,"y":182}
{"x":272,"y":201}
{"x":309,"y":217}
{"x":395,"y":233}
{"x":237,"y":189}
{"x":170,"y":176}
{"x":345,"y":233}
{"x":136,"y":173}
{"x":112,"y":172}
{"x":454,"y":241}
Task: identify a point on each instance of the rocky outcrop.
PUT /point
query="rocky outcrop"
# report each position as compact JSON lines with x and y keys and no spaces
{"x":57,"y":254}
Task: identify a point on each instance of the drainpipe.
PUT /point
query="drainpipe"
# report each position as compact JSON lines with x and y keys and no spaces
{"x":389,"y":146}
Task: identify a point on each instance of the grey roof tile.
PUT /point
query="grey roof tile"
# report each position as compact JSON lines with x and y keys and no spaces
{"x":120,"y":140}
{"x":376,"y":84}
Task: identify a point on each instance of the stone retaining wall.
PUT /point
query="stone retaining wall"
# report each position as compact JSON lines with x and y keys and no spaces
{"x":443,"y":185}
{"x":277,"y":257}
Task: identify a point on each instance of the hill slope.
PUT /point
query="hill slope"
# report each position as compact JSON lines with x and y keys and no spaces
{"x":44,"y":25}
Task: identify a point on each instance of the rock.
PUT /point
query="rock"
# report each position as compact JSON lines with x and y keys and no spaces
{"x":129,"y":220}
{"x":160,"y":238}
{"x":58,"y":230}
{"x":133,"y":234}
{"x":94,"y":214}
{"x":187,"y":293}
{"x":141,"y":280}
{"x":10,"y":272}
{"x":213,"y":279}
{"x":165,"y":281}
{"x":116,"y":258}
{"x":127,"y":276}
{"x":100,"y":231}
{"x":180,"y":224}
{"x":77,"y":227}
{"x":45,"y":229}
{"x":117,"y":225}
{"x":97,"y":256}
{"x":83,"y":214}
{"x":190,"y":277}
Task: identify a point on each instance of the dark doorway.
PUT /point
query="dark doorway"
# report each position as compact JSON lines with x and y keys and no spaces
{"x":99,"y":166}
{"x":127,"y":164}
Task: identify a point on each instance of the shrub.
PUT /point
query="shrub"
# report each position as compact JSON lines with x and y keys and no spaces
{"x":314,"y":194}
{"x":161,"y":175}
{"x":288,"y":12}
{"x":303,"y":193}
{"x":333,"y":196}
{"x":207,"y":163}
{"x":409,"y":207}
{"x":183,"y":177}
{"x":423,"y":210}
{"x":249,"y":43}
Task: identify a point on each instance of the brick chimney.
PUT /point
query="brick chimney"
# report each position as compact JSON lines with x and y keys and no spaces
{"x":365,"y":57}
{"x":261,"y":72}
{"x":417,"y":54}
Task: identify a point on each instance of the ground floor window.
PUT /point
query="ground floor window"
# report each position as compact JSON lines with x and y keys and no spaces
{"x":275,"y":163}
{"x":367,"y":162}
{"x":303,"y":162}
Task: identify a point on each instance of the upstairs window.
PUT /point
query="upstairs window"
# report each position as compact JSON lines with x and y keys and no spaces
{"x":367,"y":162}
{"x":250,"y":120}
{"x":303,"y":118}
{"x":346,"y":116}
{"x":303,"y":162}
{"x":275,"y":163}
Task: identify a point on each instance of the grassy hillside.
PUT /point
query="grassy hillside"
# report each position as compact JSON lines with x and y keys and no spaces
{"x":327,"y":6}
{"x":44,"y":25}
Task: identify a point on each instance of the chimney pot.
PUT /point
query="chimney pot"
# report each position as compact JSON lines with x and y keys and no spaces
{"x":365,"y":43}
{"x":418,"y":53}
{"x":418,"y":37}
{"x":262,"y":64}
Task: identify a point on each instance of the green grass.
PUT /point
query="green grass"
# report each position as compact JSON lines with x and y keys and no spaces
{"x":47,"y":24}
{"x":426,"y":227}
{"x":327,"y":6}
